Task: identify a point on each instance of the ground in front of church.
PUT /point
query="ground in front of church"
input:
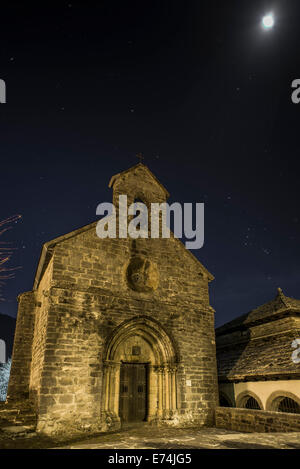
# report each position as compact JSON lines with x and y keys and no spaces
{"x":147,"y":437}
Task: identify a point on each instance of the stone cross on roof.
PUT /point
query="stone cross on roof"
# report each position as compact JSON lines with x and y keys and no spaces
{"x":140,"y":157}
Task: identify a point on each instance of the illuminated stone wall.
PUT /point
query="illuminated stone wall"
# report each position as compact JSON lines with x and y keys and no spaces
{"x":93,"y":298}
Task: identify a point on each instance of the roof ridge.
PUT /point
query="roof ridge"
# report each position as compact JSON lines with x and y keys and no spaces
{"x":264,"y":311}
{"x":282,"y":297}
{"x":138,"y":165}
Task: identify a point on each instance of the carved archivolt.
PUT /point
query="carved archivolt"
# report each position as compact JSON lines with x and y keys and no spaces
{"x":157,"y":350}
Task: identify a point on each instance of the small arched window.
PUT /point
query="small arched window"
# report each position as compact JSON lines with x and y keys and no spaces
{"x":138,"y":200}
{"x":251,"y":403}
{"x":141,"y":213}
{"x":288,"y":405}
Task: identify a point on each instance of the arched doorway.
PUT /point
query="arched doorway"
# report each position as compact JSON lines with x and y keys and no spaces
{"x":139,"y":378}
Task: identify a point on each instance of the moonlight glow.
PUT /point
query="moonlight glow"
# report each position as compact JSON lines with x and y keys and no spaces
{"x":268,"y":21}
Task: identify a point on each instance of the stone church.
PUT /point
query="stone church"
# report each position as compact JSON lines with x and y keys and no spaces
{"x":116,"y":330}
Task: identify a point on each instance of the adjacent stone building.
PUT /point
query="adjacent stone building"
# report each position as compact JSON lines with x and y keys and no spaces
{"x":259,"y":358}
{"x":116,"y":330}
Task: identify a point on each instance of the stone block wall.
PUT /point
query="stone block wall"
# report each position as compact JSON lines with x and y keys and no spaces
{"x":246,"y":420}
{"x":18,"y":387}
{"x":42,"y":333}
{"x":85,"y":289}
{"x":89,"y":297}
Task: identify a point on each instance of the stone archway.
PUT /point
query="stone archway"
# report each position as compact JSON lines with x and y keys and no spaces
{"x":141,"y":341}
{"x":244,"y":396}
{"x":276,"y":397}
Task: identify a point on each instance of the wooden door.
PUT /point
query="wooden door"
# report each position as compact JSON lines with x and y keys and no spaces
{"x":133,"y":392}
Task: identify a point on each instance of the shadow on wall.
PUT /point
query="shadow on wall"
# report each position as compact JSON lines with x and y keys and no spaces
{"x":231,"y":349}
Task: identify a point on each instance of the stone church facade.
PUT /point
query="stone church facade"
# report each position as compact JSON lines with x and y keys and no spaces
{"x":116,"y":330}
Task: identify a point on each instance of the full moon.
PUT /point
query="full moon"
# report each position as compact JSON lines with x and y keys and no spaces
{"x":268,"y":21}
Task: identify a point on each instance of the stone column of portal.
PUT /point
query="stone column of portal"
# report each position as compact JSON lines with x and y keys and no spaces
{"x":160,"y":390}
{"x":153,"y":392}
{"x":170,"y":391}
{"x":167,"y":392}
{"x":173,"y":389}
{"x":164,"y":397}
{"x":116,"y":387}
{"x":107,"y":387}
{"x":111,"y":387}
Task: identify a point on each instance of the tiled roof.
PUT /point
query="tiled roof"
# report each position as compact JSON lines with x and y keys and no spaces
{"x":259,"y":357}
{"x":268,"y":311}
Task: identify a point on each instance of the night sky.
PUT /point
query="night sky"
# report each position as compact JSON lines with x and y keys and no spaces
{"x":198,"y":87}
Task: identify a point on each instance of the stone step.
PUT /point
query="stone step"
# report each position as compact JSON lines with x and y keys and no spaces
{"x":17,"y":418}
{"x":7,"y":410}
{"x":16,"y":415}
{"x":19,"y":431}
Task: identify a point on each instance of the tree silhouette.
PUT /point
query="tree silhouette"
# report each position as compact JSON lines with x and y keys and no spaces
{"x":6,"y":251}
{"x":4,"y":378}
